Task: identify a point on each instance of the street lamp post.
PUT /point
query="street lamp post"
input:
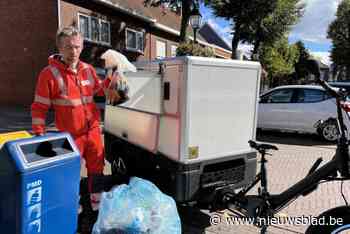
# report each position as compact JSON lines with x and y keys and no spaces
{"x":195,"y":21}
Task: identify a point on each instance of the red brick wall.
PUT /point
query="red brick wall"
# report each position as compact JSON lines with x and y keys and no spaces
{"x":27,"y":38}
{"x":69,"y":13}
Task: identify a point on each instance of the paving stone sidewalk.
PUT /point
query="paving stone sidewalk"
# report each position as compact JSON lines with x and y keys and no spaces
{"x":18,"y":118}
{"x":287,"y":166}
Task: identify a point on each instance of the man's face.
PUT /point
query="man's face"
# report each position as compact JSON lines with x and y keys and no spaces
{"x":70,"y":48}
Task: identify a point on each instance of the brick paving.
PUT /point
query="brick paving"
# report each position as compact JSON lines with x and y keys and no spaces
{"x":287,"y":166}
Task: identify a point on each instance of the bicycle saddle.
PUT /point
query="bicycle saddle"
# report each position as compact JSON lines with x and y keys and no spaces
{"x":261,"y":147}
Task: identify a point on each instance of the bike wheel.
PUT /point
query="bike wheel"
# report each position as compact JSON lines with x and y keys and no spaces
{"x":333,"y":221}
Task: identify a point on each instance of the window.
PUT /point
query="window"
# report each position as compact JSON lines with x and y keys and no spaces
{"x":84,"y":26}
{"x":161,"y":49}
{"x":94,"y":29}
{"x":173,"y":49}
{"x":311,"y":95}
{"x":134,"y":40}
{"x":278,"y":96}
{"x":105,"y":32}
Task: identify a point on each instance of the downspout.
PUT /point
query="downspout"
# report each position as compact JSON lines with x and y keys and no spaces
{"x":59,"y":13}
{"x":150,"y":46}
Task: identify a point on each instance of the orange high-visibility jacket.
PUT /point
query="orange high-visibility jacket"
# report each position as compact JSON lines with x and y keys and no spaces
{"x":70,"y":94}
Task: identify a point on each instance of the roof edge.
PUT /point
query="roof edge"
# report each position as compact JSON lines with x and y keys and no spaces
{"x":126,"y":11}
{"x":177,"y":33}
{"x":223,"y":40}
{"x":154,"y":22}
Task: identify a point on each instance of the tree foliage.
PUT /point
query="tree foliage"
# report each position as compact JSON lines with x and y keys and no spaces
{"x":258,"y":21}
{"x":279,"y":58}
{"x":183,"y":6}
{"x":243,"y":14}
{"x":275,"y":25}
{"x":339,"y":33}
{"x":301,"y":65}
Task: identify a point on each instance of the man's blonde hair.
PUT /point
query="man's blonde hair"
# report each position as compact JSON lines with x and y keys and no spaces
{"x":66,"y":32}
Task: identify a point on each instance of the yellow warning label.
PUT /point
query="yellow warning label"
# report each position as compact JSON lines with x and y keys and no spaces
{"x":193,"y":152}
{"x":10,"y":136}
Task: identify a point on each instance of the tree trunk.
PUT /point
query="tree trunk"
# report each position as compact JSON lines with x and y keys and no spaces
{"x":256,"y":46}
{"x":235,"y":41}
{"x":257,"y":43}
{"x":186,"y":11}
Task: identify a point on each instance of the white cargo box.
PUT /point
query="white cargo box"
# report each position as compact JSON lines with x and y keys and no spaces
{"x":197,"y":109}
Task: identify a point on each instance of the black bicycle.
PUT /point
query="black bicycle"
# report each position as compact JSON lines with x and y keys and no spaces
{"x":264,"y":205}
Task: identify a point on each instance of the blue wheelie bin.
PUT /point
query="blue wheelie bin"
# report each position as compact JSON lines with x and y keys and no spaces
{"x":39,"y":185}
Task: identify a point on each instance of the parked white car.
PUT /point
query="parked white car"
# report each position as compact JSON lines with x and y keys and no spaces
{"x":299,"y":108}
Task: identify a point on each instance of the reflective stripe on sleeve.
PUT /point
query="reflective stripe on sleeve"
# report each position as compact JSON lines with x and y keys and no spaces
{"x":56,"y":73}
{"x":38,"y":121}
{"x":42,"y":100}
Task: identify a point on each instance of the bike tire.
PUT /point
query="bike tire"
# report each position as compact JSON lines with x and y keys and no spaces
{"x":337,"y":213}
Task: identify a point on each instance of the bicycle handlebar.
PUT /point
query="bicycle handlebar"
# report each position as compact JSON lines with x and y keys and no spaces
{"x":334,"y":92}
{"x":342,"y":153}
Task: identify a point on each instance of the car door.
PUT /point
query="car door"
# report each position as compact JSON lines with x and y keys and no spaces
{"x":310,"y":106}
{"x":273,"y":109}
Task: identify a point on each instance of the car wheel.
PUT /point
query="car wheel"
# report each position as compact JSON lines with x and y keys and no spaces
{"x":329,"y":131}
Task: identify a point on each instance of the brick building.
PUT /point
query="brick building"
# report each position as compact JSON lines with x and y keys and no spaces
{"x":29,"y":27}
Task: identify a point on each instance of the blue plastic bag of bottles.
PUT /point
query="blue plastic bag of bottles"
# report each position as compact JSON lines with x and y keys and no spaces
{"x":139,"y":207}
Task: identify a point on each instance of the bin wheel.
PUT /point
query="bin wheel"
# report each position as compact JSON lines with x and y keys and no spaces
{"x":86,"y":221}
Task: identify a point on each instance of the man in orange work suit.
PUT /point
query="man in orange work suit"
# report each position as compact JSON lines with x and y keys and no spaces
{"x":68,"y":86}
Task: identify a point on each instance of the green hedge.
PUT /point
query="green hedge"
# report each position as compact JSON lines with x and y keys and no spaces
{"x":194,"y":49}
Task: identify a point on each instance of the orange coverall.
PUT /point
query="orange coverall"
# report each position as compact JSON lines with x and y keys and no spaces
{"x":70,"y":94}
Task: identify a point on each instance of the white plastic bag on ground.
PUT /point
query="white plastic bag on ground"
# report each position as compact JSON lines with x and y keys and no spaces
{"x":139,"y":207}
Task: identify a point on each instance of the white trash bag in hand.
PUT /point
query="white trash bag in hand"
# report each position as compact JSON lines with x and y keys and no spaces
{"x":113,"y":58}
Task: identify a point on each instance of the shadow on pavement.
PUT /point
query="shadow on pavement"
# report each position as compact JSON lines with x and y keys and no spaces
{"x":194,"y":221}
{"x":18,"y":118}
{"x":291,"y":138}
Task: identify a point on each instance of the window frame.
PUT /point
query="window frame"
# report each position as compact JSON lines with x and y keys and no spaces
{"x":165,"y":49}
{"x":302,"y":90}
{"x":139,"y":49}
{"x":88,"y":26}
{"x":109,"y":31}
{"x":91,"y":18}
{"x":292,"y":98}
{"x":171,"y":50}
{"x":99,"y":20}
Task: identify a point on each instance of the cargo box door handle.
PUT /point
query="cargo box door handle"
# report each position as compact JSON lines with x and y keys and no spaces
{"x":166,"y":94}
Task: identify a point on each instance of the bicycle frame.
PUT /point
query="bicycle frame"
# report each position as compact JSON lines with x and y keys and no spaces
{"x":329,"y":169}
{"x":266,"y":204}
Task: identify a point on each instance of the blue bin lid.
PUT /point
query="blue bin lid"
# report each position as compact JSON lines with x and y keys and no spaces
{"x":42,"y":151}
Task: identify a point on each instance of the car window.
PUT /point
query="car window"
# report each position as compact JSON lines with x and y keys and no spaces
{"x":310,"y":95}
{"x":101,"y":72}
{"x":278,"y":96}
